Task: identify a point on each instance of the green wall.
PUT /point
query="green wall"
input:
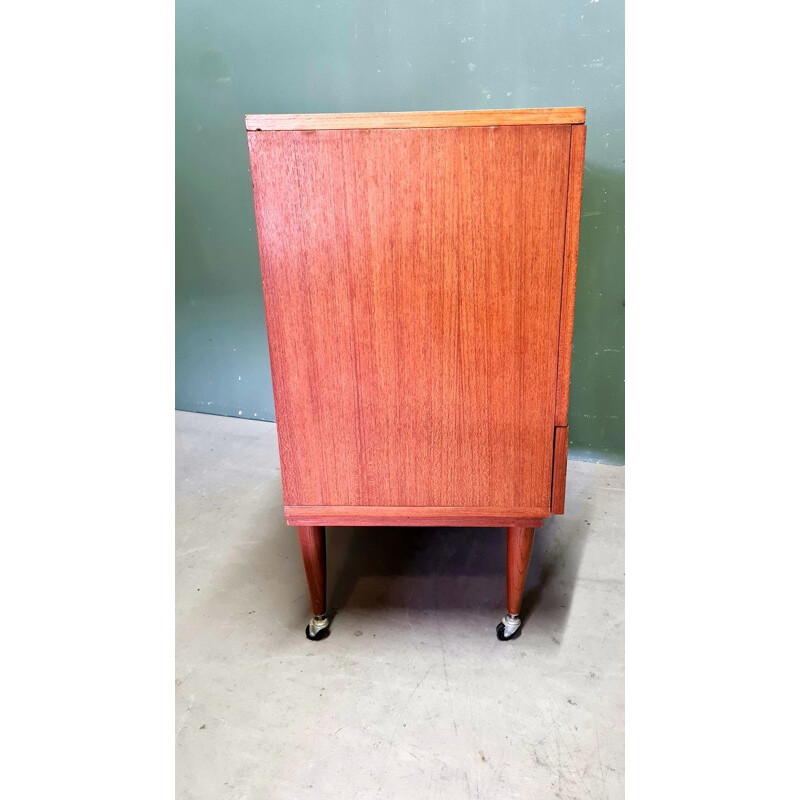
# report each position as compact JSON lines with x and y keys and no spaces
{"x":280,"y":56}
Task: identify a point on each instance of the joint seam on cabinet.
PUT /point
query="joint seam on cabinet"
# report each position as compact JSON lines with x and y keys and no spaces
{"x":553,"y":470}
{"x":569,"y":273}
{"x":561,"y":295}
{"x":560,"y":454}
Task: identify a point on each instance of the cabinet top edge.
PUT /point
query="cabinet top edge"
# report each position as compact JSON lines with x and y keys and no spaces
{"x":415,"y":119}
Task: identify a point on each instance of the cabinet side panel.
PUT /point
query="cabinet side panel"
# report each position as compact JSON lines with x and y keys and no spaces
{"x":412,"y":283}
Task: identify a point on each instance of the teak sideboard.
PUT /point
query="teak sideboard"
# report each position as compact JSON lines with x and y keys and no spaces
{"x":419,"y":285}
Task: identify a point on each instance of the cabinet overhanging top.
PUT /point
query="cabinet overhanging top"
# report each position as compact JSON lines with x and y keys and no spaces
{"x":415,"y":119}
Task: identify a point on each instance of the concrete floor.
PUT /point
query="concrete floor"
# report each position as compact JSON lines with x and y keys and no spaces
{"x":411,"y":696}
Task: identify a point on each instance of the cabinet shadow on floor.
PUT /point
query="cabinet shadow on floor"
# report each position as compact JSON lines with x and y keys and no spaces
{"x":450,"y":569}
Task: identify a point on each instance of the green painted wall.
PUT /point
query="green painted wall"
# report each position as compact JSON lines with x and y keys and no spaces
{"x":280,"y":56}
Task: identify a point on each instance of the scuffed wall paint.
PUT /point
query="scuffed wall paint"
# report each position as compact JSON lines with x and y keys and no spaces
{"x":265,"y":56}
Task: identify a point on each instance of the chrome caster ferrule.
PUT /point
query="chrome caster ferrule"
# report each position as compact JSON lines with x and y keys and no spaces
{"x":509,"y":627}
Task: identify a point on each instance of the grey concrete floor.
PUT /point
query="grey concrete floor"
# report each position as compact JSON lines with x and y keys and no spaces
{"x":411,"y":696}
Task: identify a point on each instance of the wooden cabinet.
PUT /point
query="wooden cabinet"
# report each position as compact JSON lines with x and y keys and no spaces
{"x":419,"y":282}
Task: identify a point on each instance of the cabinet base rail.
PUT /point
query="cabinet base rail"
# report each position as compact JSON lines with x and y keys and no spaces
{"x":406,"y":516}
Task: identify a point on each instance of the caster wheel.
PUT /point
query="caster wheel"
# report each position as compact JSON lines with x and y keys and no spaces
{"x":319,"y":635}
{"x":509,"y":628}
{"x":318,"y":628}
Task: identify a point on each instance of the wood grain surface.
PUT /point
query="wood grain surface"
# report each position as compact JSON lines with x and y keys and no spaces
{"x":414,"y":119}
{"x":576,"y":163}
{"x":413,"y":290}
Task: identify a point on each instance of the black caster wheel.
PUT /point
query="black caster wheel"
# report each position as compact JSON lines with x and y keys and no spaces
{"x":509,"y":628}
{"x":318,"y":628}
{"x":323,"y":634}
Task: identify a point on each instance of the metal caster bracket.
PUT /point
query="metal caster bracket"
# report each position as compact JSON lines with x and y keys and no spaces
{"x":318,"y":628}
{"x":509,"y":627}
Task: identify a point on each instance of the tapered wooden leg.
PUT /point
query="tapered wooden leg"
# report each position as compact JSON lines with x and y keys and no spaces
{"x":519,"y":543}
{"x":312,"y":546}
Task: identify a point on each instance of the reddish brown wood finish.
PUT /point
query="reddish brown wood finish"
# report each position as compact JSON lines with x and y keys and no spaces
{"x":416,"y":515}
{"x":571,"y":240}
{"x":312,"y":546}
{"x":414,"y":119}
{"x":519,"y":544}
{"x":413,"y":289}
{"x":560,"y":448}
